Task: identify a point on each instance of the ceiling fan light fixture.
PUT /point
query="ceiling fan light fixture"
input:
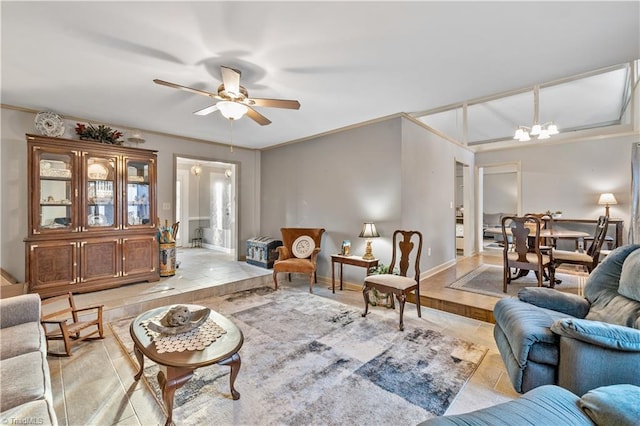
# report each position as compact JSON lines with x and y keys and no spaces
{"x":232,"y":110}
{"x":552,"y":129}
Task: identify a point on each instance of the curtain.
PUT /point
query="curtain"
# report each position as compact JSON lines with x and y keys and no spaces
{"x":634,"y":227}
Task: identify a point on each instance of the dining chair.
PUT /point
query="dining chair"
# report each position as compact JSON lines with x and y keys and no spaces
{"x":62,"y":320}
{"x":298,"y":253}
{"x":407,"y":248}
{"x":591,"y":257}
{"x":526,"y":252}
{"x":546,"y":222}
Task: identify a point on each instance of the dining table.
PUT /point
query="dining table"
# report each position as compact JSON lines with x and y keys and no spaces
{"x":579,"y":236}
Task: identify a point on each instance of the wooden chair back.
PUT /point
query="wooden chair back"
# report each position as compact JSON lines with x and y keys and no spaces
{"x":403,"y":251}
{"x":598,"y":238}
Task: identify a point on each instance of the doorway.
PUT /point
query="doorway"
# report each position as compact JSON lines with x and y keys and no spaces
{"x":499,"y":193}
{"x":462,"y":193}
{"x":206,"y":204}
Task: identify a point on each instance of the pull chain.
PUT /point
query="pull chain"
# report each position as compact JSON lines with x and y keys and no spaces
{"x":231,"y":146}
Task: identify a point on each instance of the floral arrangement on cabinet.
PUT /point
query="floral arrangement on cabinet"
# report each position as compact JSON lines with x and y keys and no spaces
{"x":100,"y":133}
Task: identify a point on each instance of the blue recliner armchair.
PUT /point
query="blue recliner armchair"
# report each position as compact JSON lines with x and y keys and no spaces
{"x":580,"y":343}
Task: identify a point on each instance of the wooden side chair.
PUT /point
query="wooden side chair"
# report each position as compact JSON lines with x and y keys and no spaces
{"x":526,"y":253}
{"x":400,"y":285}
{"x":298,"y":253}
{"x":62,"y":320}
{"x":591,"y":257}
{"x":546,"y":222}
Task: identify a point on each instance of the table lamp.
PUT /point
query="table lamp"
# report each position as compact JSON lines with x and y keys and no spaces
{"x":606,"y":199}
{"x":368,"y":231}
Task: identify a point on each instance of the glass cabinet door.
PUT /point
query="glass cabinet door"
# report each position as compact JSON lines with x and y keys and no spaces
{"x":138,"y":209}
{"x":100,"y":197}
{"x":56,"y":197}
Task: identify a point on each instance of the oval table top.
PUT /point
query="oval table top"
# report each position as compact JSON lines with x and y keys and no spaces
{"x":223,"y":347}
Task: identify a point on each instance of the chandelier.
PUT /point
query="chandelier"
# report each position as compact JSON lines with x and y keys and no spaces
{"x":539,"y":131}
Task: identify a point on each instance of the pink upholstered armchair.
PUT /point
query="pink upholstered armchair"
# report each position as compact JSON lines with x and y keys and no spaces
{"x":299,"y":253}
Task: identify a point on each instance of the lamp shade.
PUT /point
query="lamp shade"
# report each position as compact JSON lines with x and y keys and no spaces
{"x":368,"y":230}
{"x":232,"y":110}
{"x":607,"y":198}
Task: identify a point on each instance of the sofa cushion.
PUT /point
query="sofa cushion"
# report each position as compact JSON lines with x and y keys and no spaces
{"x":630,"y":277}
{"x":24,"y":378}
{"x":545,"y":405}
{"x":612,"y":405}
{"x":21,"y":339}
{"x":492,"y":219}
{"x":19,"y":309}
{"x":569,"y":303}
{"x":40,"y":412}
{"x":599,"y":333}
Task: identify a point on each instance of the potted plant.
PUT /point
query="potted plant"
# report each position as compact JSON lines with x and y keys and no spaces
{"x":377,"y":298}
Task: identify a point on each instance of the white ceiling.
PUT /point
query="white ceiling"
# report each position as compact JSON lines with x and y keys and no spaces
{"x":346,"y":62}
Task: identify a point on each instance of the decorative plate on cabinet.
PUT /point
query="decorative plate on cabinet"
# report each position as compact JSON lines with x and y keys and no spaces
{"x":97,"y":171}
{"x":49,"y":124}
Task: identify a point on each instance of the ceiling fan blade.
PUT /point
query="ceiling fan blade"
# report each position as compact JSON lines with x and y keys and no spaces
{"x":207,"y":110}
{"x":188,"y":89}
{"x":257,"y":117}
{"x":275,"y":103}
{"x":231,"y":80}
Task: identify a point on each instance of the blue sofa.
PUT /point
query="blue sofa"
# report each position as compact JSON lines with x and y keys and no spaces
{"x":580,"y":343}
{"x":617,"y":405}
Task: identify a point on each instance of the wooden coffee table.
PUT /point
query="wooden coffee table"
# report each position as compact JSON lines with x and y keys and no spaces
{"x":176,"y":368}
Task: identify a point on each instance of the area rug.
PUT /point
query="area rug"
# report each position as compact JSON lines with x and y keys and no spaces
{"x":308,"y":360}
{"x":487,"y":279}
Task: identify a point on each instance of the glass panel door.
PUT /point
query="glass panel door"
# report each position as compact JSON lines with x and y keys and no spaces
{"x":138,"y":208}
{"x":101,"y":208}
{"x":56,"y":196}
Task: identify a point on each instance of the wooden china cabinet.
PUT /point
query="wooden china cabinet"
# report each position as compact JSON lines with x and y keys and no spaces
{"x":92,"y":216}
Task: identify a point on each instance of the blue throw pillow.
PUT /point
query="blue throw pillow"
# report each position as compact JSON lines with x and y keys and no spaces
{"x":630,"y":277}
{"x":612,"y":405}
{"x":599,"y":333}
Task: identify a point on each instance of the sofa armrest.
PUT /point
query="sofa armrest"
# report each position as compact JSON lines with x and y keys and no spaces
{"x":610,"y":336}
{"x":567,"y":303}
{"x":19,"y":310}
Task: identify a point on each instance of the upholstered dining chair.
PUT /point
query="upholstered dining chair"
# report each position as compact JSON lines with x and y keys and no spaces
{"x":298,"y":253}
{"x":591,"y":257}
{"x":526,"y":252}
{"x":407,"y":247}
{"x":62,"y":320}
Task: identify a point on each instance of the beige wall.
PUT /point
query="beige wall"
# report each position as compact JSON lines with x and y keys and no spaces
{"x":392,"y":172}
{"x":14,"y":192}
{"x":570,"y":176}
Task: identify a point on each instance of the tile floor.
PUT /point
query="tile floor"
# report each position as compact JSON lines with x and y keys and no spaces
{"x":95,"y":386}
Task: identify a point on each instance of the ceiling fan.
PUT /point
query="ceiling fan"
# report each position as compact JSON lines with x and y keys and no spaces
{"x":233,"y":99}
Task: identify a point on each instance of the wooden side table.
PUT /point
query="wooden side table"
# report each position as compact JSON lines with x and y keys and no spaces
{"x":348,"y":260}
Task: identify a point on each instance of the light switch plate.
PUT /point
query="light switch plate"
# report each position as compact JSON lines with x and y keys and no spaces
{"x":166,"y":206}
